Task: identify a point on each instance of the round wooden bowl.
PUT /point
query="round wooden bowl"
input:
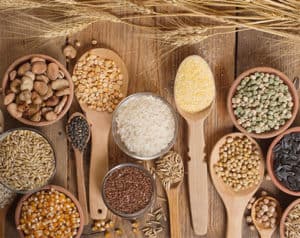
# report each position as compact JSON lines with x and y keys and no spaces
{"x":26,"y":58}
{"x":284,"y":215}
{"x":292,"y":90}
{"x":59,"y":189}
{"x":269,"y":162}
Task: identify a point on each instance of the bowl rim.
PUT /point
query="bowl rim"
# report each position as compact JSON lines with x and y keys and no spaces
{"x":122,"y":146}
{"x":25,"y":58}
{"x":269,"y":162}
{"x":6,"y":133}
{"x":138,"y":213}
{"x":284,"y":215}
{"x":286,"y":81}
{"x":49,"y":187}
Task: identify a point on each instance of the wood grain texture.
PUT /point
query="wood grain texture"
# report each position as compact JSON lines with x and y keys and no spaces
{"x":226,"y":58}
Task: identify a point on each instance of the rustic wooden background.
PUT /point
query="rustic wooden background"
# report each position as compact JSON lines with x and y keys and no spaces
{"x":228,"y":55}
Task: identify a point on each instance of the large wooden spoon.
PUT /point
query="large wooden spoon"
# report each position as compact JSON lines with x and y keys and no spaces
{"x":100,"y":128}
{"x":197,"y":165}
{"x":264,"y":232}
{"x":79,"y":169}
{"x":235,"y":202}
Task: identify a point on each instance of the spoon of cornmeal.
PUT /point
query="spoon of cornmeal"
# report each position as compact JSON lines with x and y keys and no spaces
{"x":194,"y":93}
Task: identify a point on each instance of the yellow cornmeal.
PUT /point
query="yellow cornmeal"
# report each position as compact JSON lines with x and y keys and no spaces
{"x":194,"y":85}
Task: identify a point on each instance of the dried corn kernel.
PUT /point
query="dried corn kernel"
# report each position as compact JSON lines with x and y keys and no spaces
{"x":118,"y":231}
{"x":49,"y":213}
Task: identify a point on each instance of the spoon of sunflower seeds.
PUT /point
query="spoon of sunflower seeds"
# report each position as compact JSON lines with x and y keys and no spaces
{"x":170,"y":170}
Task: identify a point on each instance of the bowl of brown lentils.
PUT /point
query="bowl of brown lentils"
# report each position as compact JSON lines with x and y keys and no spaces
{"x":262,"y":102}
{"x":128,"y":190}
{"x":38,"y":90}
{"x":58,"y":211}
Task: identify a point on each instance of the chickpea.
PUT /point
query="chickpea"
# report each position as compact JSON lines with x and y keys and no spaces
{"x":239,"y":162}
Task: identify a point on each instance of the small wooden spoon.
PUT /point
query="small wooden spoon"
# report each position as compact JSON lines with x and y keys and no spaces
{"x":197,"y":168}
{"x":263,"y":232}
{"x":100,"y":128}
{"x":80,"y":171}
{"x":173,"y":193}
{"x":3,"y":213}
{"x":235,"y":202}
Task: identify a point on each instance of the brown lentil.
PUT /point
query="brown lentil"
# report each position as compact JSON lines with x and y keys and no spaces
{"x":57,"y":215}
{"x":128,"y":190}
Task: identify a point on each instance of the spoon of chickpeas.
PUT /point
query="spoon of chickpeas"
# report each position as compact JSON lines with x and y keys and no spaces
{"x":237,"y":170}
{"x":265,"y":214}
{"x":101,"y":81}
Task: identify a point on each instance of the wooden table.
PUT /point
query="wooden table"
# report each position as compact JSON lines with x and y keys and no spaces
{"x":228,"y":55}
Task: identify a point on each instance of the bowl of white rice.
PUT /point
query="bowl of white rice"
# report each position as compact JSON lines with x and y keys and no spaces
{"x":144,"y":126}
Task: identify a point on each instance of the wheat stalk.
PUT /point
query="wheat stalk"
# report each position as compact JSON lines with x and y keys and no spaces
{"x":274,"y":17}
{"x":7,"y":5}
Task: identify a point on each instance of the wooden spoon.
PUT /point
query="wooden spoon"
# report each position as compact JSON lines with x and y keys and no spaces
{"x":197,"y":168}
{"x":263,"y":232}
{"x":173,"y":192}
{"x":100,"y":128}
{"x":235,"y":202}
{"x":79,"y":170}
{"x":3,"y":213}
{"x":4,"y":210}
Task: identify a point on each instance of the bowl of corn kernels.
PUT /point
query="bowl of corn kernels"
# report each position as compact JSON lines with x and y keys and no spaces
{"x":59,"y":212}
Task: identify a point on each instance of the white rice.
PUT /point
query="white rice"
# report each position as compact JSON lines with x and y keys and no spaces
{"x":146,"y":125}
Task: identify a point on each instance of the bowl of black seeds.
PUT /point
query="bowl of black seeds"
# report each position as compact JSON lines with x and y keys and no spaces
{"x":128,"y":190}
{"x":283,"y":161}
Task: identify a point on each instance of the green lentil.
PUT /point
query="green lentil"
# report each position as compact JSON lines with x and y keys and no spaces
{"x":262,"y":103}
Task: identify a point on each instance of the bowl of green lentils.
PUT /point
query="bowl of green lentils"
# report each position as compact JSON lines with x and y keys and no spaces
{"x":262,"y":102}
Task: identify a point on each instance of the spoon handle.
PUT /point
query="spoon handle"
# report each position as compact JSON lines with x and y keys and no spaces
{"x":197,"y":177}
{"x":3,"y":213}
{"x":100,"y":128}
{"x":81,"y":184}
{"x":173,"y":195}
{"x":266,"y":233}
{"x":235,"y":212}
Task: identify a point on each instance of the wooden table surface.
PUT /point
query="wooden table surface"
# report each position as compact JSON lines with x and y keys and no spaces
{"x":228,"y":55}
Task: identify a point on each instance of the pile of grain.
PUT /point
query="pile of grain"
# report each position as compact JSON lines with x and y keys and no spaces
{"x":145,"y":124}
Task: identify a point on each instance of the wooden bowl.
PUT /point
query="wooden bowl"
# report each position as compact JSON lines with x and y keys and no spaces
{"x":269,"y":162}
{"x":292,"y":90}
{"x":26,"y":58}
{"x":59,"y":189}
{"x":284,"y":215}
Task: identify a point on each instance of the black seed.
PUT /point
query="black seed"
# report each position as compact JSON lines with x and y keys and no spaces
{"x":78,"y":132}
{"x":287,"y":161}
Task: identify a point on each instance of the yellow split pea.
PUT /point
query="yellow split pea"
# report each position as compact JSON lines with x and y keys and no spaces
{"x":194,"y":85}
